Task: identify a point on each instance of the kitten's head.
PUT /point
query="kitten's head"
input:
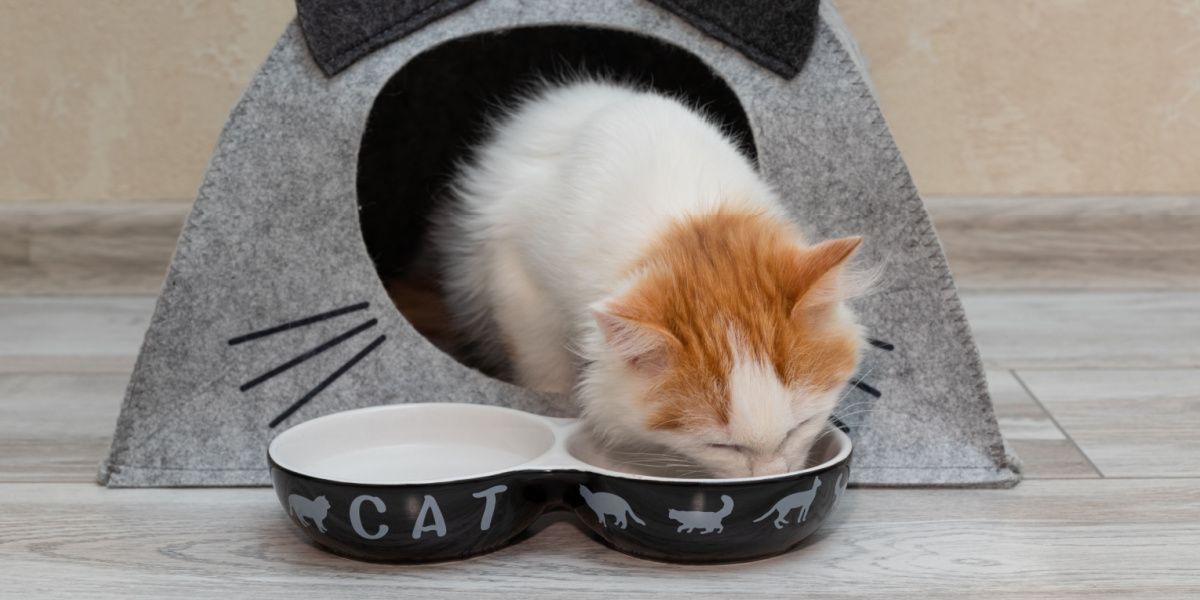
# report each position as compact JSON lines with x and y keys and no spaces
{"x":730,"y":345}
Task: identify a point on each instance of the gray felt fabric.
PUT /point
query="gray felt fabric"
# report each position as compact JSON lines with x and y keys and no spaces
{"x":274,"y":237}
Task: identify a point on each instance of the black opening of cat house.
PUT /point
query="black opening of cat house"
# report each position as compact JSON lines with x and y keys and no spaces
{"x":276,"y":307}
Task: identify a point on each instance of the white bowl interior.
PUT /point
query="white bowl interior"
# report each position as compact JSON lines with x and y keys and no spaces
{"x":416,"y":443}
{"x":582,"y":446}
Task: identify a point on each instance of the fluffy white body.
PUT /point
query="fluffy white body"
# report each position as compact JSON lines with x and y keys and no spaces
{"x":569,"y":191}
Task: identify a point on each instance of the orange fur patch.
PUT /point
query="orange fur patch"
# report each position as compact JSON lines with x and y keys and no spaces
{"x":744,"y":274}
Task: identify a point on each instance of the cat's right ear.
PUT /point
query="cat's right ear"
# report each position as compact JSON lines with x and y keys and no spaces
{"x":822,"y":275}
{"x":644,"y":346}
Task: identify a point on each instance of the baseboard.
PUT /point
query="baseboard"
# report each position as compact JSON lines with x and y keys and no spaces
{"x":1003,"y":243}
{"x":1075,"y":242}
{"x":87,"y":249}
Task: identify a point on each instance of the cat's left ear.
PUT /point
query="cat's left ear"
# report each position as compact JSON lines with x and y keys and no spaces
{"x":644,"y":346}
{"x":822,"y":275}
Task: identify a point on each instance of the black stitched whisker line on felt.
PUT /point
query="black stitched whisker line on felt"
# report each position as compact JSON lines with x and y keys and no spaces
{"x":882,"y":345}
{"x":309,"y":354}
{"x":317,"y":318}
{"x":865,"y":387}
{"x":327,"y":381}
{"x":839,"y":423}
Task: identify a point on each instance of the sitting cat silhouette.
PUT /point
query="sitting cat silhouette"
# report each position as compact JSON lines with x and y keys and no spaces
{"x":839,"y":488}
{"x":699,"y":519}
{"x":604,"y":503}
{"x":314,"y":510}
{"x":787,"y":504}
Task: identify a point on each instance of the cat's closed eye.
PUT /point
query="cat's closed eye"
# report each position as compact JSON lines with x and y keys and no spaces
{"x":744,"y":449}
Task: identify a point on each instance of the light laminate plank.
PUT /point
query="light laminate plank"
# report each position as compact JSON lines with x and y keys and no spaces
{"x":1044,"y":450}
{"x":1086,"y":538}
{"x":1018,"y":414}
{"x":1130,"y":423}
{"x":66,"y":364}
{"x":1014,"y":329}
{"x":56,"y":427}
{"x":46,"y":328}
{"x":1057,"y":330}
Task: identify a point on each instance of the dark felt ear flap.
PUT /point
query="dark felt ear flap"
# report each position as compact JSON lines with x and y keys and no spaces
{"x":822,"y":274}
{"x":777,"y":34}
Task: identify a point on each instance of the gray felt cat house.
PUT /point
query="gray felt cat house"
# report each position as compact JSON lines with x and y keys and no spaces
{"x":275,"y":310}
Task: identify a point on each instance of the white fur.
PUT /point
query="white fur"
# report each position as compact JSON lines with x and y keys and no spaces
{"x":567,"y":193}
{"x":760,"y":412}
{"x":763,"y":413}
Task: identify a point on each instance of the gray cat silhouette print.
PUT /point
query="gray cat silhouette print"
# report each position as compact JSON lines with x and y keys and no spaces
{"x":314,"y":510}
{"x":787,"y":504}
{"x":605,"y":504}
{"x":707,"y":522}
{"x":839,"y":487}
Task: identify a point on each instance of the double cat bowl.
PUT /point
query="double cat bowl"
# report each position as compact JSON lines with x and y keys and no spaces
{"x":440,"y":481}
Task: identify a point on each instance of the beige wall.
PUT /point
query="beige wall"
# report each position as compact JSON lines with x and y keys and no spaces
{"x":122,"y":99}
{"x":986,"y":97}
{"x":1039,"y":96}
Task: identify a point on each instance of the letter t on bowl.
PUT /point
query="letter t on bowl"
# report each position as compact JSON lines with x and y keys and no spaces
{"x":489,"y":507}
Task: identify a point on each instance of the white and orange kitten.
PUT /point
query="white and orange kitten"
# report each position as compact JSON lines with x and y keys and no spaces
{"x":616,"y":243}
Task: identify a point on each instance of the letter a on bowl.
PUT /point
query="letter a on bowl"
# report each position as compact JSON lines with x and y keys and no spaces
{"x":439,"y":524}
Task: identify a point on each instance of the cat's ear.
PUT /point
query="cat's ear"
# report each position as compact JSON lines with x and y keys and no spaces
{"x":823,"y":278}
{"x":644,"y":346}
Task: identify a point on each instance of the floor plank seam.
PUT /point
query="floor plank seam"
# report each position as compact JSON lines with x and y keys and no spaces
{"x":1052,"y":368}
{"x":1050,"y":415}
{"x":969,"y":290}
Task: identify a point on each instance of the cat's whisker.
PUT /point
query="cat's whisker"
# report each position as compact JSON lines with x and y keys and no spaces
{"x":850,"y":387}
{"x":843,"y":416}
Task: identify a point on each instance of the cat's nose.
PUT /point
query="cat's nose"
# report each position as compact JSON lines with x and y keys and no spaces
{"x":768,"y":466}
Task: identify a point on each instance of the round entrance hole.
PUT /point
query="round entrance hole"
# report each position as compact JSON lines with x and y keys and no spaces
{"x":430,"y":113}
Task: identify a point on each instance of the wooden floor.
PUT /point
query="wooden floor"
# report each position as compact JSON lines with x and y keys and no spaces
{"x":1097,"y":386}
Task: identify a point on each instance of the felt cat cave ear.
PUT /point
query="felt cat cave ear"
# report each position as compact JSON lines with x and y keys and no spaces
{"x":326,"y":176}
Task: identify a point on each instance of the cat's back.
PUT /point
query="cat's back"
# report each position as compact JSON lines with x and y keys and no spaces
{"x":569,"y":191}
{"x":590,"y":172}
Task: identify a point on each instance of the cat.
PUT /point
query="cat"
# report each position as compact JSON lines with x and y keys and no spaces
{"x":839,"y":487}
{"x":606,"y":504}
{"x":315,"y":510}
{"x":698,"y":519}
{"x":614,"y":243}
{"x":802,"y":500}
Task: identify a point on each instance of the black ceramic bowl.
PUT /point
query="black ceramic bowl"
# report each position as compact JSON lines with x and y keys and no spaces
{"x":439,"y":481}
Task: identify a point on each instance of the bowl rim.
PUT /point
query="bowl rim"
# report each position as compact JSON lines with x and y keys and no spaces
{"x":843,"y":455}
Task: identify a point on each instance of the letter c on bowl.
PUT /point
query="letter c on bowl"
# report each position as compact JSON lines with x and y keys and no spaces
{"x":356,"y":516}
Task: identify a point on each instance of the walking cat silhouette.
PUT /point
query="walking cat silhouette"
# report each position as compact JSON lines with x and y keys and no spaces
{"x":839,"y":487}
{"x":315,"y":510}
{"x":699,"y":519}
{"x":604,"y":503}
{"x":787,"y":504}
